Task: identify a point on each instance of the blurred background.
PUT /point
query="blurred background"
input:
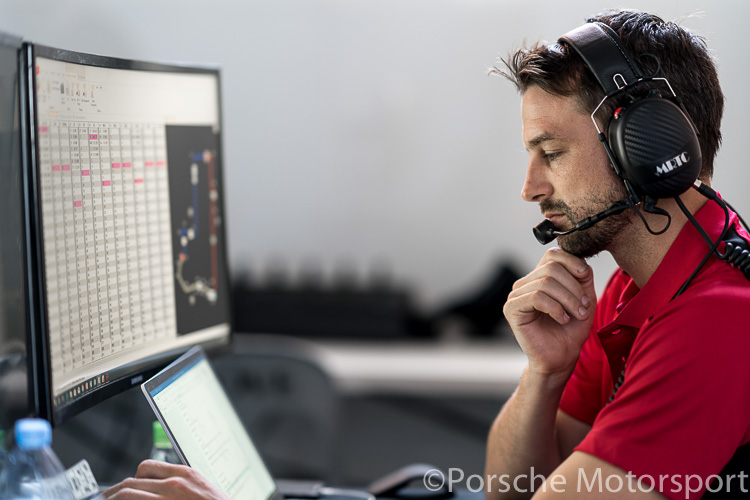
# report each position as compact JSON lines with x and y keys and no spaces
{"x":366,"y":135}
{"x":370,"y":160}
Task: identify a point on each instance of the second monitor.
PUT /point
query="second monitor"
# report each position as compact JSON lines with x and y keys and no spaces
{"x":127,"y":235}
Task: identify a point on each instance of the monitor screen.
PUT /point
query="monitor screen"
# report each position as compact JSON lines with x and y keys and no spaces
{"x":128,"y":199}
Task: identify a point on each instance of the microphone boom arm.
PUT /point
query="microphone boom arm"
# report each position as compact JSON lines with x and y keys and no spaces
{"x":545,"y":231}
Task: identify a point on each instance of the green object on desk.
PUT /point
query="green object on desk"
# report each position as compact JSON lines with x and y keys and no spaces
{"x":160,"y":436}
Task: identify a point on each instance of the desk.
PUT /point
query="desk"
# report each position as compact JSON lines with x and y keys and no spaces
{"x":461,"y":367}
{"x":472,"y":368}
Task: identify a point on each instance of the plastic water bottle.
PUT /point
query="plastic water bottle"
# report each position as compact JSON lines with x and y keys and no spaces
{"x":32,"y":470}
{"x":162,"y":449}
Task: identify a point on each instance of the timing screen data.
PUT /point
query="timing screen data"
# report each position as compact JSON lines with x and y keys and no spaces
{"x":114,"y":263}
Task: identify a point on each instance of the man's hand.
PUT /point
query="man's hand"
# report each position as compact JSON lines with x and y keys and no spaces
{"x":551,"y":311}
{"x":159,"y":480}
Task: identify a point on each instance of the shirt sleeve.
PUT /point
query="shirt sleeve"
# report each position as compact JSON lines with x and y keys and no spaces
{"x":684,"y":407}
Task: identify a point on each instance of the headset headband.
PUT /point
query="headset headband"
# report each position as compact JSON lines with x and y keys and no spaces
{"x":599,"y":47}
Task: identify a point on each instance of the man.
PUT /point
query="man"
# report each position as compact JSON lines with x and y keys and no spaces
{"x":644,"y":394}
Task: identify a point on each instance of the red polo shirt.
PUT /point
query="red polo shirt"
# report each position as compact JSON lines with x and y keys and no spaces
{"x":684,"y":406}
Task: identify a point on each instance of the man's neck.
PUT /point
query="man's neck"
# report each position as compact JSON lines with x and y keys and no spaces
{"x":638,"y":252}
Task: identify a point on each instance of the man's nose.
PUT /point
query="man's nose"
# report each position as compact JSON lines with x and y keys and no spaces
{"x":536,"y":187}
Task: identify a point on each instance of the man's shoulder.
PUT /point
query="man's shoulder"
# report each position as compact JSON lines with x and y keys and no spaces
{"x":718,"y":281}
{"x":713,"y":307}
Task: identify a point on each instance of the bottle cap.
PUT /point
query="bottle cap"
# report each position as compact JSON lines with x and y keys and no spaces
{"x":33,"y":433}
{"x":160,"y":436}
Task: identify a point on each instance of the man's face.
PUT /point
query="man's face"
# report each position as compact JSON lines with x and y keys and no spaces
{"x":569,"y":174}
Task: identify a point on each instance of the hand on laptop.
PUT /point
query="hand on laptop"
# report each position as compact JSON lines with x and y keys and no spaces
{"x":160,"y":480}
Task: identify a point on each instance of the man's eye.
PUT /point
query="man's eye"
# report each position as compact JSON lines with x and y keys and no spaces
{"x":551,"y":156}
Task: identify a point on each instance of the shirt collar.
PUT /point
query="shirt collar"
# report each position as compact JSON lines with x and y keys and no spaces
{"x":636,"y":306}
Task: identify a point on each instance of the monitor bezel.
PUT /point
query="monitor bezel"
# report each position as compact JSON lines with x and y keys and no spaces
{"x":18,"y":407}
{"x":39,"y":362}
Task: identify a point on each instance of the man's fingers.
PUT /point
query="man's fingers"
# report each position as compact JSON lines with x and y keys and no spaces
{"x":573,"y":303}
{"x":135,"y":489}
{"x":133,"y":495}
{"x":155,"y":469}
{"x":576,"y":266}
{"x":555,"y":275}
{"x":557,"y":271}
{"x":163,"y":481}
{"x":571,"y":271}
{"x":538,"y":301}
{"x":174,"y":487}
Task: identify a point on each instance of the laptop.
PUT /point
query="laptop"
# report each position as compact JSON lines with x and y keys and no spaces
{"x":206,"y":431}
{"x":208,"y":436}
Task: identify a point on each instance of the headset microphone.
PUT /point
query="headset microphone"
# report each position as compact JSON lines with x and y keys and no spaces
{"x":546,"y":231}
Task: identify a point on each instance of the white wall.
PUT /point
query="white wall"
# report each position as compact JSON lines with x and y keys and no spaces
{"x":367,"y":132}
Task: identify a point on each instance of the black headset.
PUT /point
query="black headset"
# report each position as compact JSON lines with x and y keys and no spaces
{"x":651,"y":142}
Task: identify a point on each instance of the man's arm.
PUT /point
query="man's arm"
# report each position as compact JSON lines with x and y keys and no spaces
{"x":523,"y":416}
{"x":551,"y":312}
{"x":586,"y":476}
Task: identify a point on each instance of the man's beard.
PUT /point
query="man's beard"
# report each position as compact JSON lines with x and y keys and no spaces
{"x":599,"y":237}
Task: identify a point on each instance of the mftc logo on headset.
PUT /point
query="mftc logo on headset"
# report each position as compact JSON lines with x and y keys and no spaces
{"x":676,"y":162}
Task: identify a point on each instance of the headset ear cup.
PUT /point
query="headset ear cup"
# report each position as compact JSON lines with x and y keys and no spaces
{"x":656,"y":147}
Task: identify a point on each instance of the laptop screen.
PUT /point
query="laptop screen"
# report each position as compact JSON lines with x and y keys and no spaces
{"x":206,"y":431}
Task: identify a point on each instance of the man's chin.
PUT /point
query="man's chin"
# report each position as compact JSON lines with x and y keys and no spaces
{"x":580,"y":245}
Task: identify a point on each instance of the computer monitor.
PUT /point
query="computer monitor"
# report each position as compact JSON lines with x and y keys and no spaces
{"x":13,"y":376}
{"x":127,"y":234}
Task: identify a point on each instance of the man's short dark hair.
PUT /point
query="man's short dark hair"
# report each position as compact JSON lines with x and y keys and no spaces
{"x":685,"y":63}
